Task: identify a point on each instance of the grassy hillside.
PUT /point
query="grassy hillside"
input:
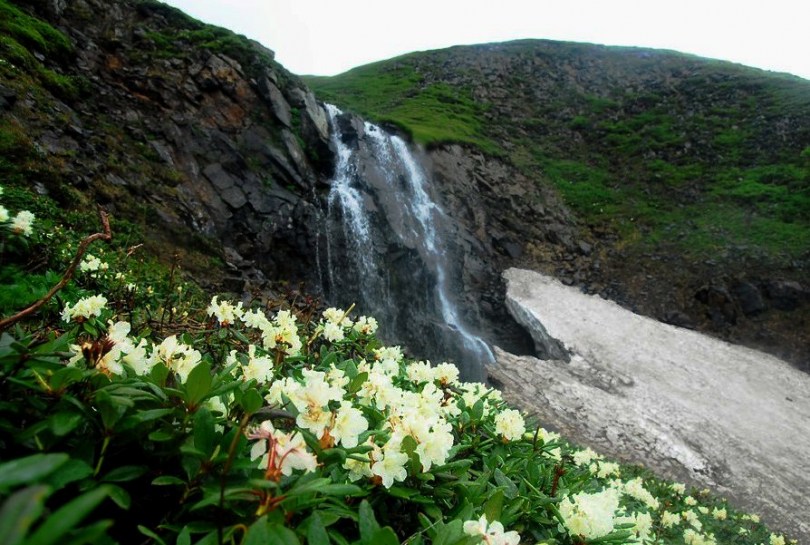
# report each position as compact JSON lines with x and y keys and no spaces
{"x":668,"y":151}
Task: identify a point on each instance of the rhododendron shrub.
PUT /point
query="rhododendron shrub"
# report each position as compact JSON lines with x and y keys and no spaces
{"x":131,"y":412}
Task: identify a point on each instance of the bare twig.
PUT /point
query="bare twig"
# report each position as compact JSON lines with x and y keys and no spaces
{"x":106,"y":235}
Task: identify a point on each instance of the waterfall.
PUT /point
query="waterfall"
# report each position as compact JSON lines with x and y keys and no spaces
{"x":387,"y":246}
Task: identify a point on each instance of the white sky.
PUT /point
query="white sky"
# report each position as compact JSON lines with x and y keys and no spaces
{"x":326,"y":37}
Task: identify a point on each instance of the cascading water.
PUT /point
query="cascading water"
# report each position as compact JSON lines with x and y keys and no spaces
{"x":386,"y":247}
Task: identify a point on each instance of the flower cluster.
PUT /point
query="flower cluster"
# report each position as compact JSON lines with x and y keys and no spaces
{"x":491,"y":533}
{"x":92,"y":263}
{"x":21,"y":224}
{"x":85,"y":308}
{"x":590,"y":516}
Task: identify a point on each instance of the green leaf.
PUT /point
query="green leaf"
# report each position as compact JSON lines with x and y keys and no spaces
{"x":402,"y":492}
{"x":258,"y":533}
{"x":149,"y":533}
{"x":160,"y":436}
{"x":29,"y":469}
{"x":357,"y":383}
{"x":89,"y":534}
{"x":184,"y":537}
{"x":316,"y":533}
{"x":340,"y":490}
{"x":72,"y":471}
{"x":165,"y":480}
{"x":251,"y":401}
{"x":477,"y":411}
{"x":204,"y":432}
{"x":494,"y":506}
{"x":67,"y":517}
{"x":111,"y":408}
{"x":198,"y":384}
{"x":510,"y":489}
{"x":384,"y":536}
{"x":279,"y":535}
{"x":63,"y":423}
{"x":20,"y":511}
{"x":367,"y":522}
{"x":120,"y":496}
{"x":124,"y":473}
{"x":65,"y":376}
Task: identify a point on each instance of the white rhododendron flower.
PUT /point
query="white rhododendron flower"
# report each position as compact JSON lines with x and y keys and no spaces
{"x":289,"y":450}
{"x":642,"y":526}
{"x":585,"y":457}
{"x":692,"y":519}
{"x":366,"y":325}
{"x":668,"y":520}
{"x":446,"y":374}
{"x":258,"y":367}
{"x":510,"y":424}
{"x":178,"y":357}
{"x":312,"y":399}
{"x":92,"y":263}
{"x":122,"y":349}
{"x":337,"y":317}
{"x":22,"y":224}
{"x":85,"y":308}
{"x":691,"y":537}
{"x":678,"y":488}
{"x":359,"y":469}
{"x":225,"y":312}
{"x":590,"y":515}
{"x":719,"y":514}
{"x":348,"y":424}
{"x":390,"y":466}
{"x":255,"y":319}
{"x":603,"y":469}
{"x":491,"y":533}
{"x":332,"y":332}
{"x":389,"y":355}
{"x":690,"y":501}
{"x":337,"y":377}
{"x":3,"y":214}
{"x":434,"y":447}
{"x":635,"y":488}
{"x":419,"y":371}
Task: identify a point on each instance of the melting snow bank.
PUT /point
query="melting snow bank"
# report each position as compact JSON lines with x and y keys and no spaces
{"x":687,"y":405}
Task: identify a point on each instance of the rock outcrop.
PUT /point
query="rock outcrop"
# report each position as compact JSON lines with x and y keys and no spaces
{"x":689,"y":406}
{"x":194,"y":134}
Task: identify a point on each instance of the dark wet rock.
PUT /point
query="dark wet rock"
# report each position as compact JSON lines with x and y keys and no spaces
{"x":749,"y":298}
{"x":785,"y":294}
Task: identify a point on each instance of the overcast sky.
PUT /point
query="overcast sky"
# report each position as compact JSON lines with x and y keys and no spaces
{"x":327,"y":37}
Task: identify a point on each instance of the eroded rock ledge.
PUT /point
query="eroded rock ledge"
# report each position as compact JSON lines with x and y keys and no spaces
{"x":689,"y":406}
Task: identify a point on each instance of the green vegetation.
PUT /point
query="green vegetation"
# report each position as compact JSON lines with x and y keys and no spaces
{"x":397,"y":93}
{"x":22,"y":38}
{"x":185,"y":34}
{"x":644,"y":145}
{"x":132,"y":412}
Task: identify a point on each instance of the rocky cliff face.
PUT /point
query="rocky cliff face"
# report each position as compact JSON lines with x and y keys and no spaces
{"x":192,"y":133}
